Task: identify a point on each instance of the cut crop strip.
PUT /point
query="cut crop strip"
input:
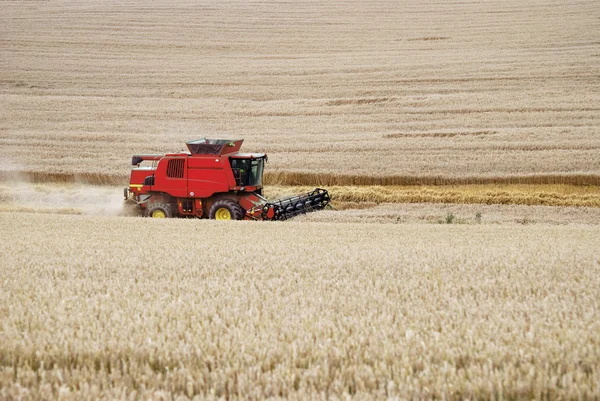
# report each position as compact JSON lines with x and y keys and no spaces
{"x":539,"y":195}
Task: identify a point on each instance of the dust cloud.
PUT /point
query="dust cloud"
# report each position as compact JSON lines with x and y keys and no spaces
{"x":18,"y":194}
{"x":63,"y":198}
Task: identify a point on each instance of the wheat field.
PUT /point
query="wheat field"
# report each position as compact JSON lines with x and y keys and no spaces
{"x":354,"y":92}
{"x":458,"y":139}
{"x":106,"y":309}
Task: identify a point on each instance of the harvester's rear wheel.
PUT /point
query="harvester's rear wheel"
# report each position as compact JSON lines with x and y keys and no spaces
{"x":160,"y":211}
{"x":226,"y":209}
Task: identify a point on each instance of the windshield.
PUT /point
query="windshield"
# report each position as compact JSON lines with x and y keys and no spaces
{"x":247,"y":172}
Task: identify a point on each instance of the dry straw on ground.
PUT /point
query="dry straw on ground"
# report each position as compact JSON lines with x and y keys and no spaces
{"x":419,"y":91}
{"x":100,"y":308}
{"x":469,"y":214}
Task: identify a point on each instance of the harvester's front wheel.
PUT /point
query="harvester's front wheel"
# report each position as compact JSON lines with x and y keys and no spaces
{"x":226,"y":209}
{"x":160,"y":211}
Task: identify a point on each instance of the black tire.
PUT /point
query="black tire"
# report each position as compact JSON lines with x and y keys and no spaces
{"x":157,"y":209}
{"x":216,"y":210}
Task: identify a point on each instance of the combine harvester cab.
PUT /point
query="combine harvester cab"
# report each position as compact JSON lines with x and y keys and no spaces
{"x":212,"y":180}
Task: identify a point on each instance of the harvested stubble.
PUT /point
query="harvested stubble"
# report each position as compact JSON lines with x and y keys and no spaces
{"x":436,"y":213}
{"x":112,"y":308}
{"x":441,"y":90}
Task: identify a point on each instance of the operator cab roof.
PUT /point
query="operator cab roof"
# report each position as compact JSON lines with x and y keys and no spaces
{"x":247,"y":156}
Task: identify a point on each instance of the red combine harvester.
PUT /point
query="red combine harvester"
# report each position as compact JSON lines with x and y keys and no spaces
{"x":213,"y":180}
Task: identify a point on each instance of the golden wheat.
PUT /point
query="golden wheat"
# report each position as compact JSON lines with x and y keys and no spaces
{"x":121,"y":308}
{"x":549,"y":195}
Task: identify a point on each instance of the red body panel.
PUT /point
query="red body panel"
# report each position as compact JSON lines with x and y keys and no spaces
{"x":208,"y":175}
{"x":175,"y":186}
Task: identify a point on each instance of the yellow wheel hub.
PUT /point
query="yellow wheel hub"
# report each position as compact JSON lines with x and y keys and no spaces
{"x":223,"y":214}
{"x":158,"y":214}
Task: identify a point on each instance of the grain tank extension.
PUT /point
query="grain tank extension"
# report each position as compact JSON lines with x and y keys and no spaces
{"x":212,"y":180}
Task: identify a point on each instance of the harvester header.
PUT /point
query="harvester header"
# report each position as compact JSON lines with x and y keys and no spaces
{"x":213,"y":180}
